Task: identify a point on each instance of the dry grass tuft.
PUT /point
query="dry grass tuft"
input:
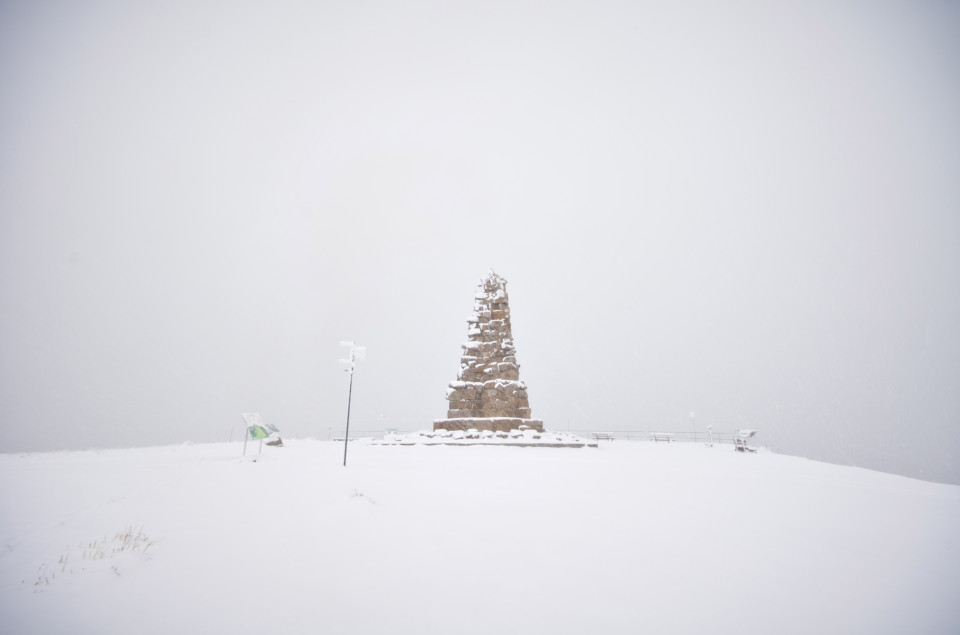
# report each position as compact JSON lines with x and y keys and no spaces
{"x":130,"y":540}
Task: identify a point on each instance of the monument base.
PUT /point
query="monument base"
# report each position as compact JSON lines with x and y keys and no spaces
{"x":494,"y":424}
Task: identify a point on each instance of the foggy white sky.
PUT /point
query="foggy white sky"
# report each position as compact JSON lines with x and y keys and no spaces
{"x":747,"y":210}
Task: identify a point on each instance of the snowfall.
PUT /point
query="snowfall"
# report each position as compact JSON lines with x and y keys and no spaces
{"x":627,"y":537}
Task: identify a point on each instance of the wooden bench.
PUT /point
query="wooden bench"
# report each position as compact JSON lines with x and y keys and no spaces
{"x":740,"y":441}
{"x":602,"y":436}
{"x":657,"y":437}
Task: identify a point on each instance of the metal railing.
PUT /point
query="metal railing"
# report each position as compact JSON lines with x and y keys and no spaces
{"x":681,"y":436}
{"x":337,"y":435}
{"x":662,"y":434}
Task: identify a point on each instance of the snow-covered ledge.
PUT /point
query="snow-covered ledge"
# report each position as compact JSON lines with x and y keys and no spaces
{"x":525,"y":437}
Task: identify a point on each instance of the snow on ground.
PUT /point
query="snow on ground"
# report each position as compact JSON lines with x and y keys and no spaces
{"x":625,"y":538}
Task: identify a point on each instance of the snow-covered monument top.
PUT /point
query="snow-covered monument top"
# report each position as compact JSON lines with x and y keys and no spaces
{"x":488,"y":393}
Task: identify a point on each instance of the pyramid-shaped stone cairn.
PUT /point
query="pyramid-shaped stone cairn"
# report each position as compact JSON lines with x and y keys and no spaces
{"x":488,"y":393}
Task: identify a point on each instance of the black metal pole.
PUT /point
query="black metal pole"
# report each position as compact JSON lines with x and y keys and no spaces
{"x":346,"y":436}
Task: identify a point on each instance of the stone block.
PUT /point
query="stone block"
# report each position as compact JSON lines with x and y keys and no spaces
{"x":495,"y":424}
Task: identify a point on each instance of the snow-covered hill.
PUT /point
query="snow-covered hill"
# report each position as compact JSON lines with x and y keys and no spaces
{"x":625,"y":538}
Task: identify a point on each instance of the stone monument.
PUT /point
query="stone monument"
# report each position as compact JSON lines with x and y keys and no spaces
{"x":488,"y":393}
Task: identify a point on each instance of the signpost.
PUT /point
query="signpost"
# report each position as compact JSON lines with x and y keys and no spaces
{"x":356,"y":353}
{"x":254,"y":429}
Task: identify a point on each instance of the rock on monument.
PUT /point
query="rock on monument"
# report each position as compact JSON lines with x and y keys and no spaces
{"x":488,"y":393}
